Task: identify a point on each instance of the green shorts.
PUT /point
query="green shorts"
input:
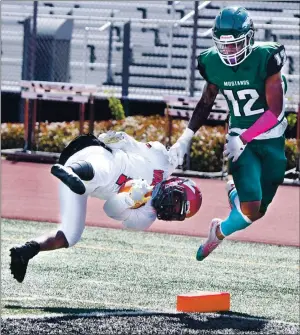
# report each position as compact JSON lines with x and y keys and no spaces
{"x":259,"y":170}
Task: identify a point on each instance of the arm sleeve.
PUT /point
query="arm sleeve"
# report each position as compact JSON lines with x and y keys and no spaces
{"x":276,"y":60}
{"x":118,"y":208}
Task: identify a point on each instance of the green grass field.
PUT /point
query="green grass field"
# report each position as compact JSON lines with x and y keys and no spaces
{"x":115,"y":272}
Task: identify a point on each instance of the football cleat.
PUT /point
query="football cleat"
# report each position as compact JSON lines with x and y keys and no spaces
{"x":69,"y":178}
{"x":211,"y":243}
{"x":20,"y":257}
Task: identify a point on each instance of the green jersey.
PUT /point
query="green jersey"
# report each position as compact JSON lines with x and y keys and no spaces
{"x":243,"y":86}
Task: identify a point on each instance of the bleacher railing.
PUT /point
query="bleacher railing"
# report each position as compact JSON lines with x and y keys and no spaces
{"x":161,"y":49}
{"x":133,"y":55}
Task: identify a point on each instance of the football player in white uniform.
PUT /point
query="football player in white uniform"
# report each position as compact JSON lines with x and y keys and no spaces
{"x":130,"y":175}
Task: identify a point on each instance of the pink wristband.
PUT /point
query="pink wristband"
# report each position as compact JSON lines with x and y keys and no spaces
{"x":267,"y":121}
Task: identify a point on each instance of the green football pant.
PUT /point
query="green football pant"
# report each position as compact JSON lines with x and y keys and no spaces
{"x":259,"y":171}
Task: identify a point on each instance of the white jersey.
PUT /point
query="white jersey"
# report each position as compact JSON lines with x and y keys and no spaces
{"x":149,"y":161}
{"x":129,"y":159}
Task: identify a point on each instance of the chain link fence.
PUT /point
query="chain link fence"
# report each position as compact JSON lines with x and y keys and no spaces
{"x":83,"y":42}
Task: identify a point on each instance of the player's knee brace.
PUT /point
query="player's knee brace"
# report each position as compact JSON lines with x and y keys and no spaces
{"x":83,"y":169}
{"x":235,"y":221}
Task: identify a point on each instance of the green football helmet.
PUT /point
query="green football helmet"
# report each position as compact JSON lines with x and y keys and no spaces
{"x":233,"y":34}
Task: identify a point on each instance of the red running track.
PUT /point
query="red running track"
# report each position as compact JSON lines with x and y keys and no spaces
{"x":30,"y":192}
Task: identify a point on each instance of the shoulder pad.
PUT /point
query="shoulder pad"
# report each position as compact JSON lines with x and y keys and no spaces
{"x":204,"y":59}
{"x":276,"y":59}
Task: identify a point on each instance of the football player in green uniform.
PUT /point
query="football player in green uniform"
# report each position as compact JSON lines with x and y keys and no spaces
{"x":249,"y":76}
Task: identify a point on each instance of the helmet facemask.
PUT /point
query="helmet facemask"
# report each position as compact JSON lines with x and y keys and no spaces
{"x":170,"y":202}
{"x":234,"y":51}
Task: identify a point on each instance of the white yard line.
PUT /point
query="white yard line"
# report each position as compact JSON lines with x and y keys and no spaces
{"x":103,"y":304}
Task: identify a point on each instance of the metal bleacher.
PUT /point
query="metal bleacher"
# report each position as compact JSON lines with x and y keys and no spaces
{"x":160,"y":43}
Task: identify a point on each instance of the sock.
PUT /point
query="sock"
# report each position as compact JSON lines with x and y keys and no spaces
{"x":232,"y":197}
{"x":236,"y":219}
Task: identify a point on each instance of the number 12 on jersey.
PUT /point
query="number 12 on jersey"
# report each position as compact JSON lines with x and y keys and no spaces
{"x":250,"y":95}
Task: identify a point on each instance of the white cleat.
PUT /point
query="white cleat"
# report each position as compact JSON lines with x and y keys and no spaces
{"x":211,"y":243}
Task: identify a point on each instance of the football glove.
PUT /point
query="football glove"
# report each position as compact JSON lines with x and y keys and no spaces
{"x":234,"y":147}
{"x":122,"y":141}
{"x":138,"y":190}
{"x":180,"y":148}
{"x":113,"y":139}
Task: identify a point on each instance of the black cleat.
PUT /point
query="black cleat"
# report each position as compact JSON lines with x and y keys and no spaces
{"x":20,"y":257}
{"x":69,"y":178}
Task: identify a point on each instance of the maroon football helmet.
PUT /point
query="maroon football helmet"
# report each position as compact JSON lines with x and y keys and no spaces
{"x":176,"y":199}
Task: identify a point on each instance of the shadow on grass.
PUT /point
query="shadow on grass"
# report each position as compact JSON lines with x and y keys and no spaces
{"x":60,"y":310}
{"x":125,"y":321}
{"x":188,"y":322}
{"x":223,"y":321}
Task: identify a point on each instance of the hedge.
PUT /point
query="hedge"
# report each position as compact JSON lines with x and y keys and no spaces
{"x":206,"y":149}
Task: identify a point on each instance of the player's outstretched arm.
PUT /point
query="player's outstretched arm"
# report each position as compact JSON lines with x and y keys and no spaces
{"x":203,"y":107}
{"x":200,"y":114}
